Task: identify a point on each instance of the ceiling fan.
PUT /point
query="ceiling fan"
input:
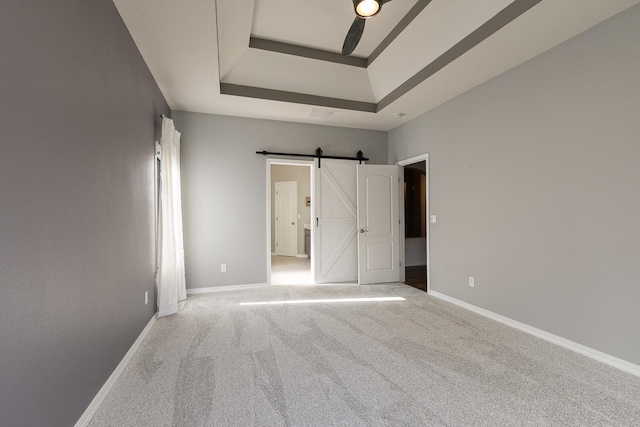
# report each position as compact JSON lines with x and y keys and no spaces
{"x":364,"y":9}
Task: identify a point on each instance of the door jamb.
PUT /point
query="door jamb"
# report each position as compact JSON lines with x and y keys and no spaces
{"x":403,"y":163}
{"x":286,"y":162}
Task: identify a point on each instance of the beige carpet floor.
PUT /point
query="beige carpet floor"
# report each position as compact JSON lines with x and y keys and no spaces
{"x":344,"y":361}
{"x":287,"y":270}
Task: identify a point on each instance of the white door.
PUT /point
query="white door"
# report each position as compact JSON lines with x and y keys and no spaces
{"x":378,"y":224}
{"x":335,"y":248}
{"x":286,"y":218}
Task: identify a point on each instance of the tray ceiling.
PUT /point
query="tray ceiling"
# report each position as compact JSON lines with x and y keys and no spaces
{"x":280,"y":59}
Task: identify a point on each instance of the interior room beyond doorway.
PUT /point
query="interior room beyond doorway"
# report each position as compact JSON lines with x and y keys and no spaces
{"x":290,"y":215}
{"x":415,"y":220}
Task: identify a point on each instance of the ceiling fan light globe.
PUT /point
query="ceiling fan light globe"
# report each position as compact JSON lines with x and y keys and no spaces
{"x":367,"y":8}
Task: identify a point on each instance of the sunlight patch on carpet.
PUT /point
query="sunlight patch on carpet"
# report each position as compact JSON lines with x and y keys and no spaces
{"x":326,"y":300}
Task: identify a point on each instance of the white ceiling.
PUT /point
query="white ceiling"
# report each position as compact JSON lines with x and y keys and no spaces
{"x":193,"y":47}
{"x":323,"y":24}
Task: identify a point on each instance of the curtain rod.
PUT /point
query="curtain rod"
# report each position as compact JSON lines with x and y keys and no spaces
{"x":318,"y":155}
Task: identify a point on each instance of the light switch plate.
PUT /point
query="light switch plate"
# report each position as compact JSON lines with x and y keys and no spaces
{"x":432,"y":219}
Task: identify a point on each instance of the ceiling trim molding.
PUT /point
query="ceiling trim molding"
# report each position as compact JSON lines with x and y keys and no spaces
{"x":338,"y":58}
{"x":493,"y":25}
{"x":398,"y":29}
{"x":296,"y":98}
{"x":500,"y":20}
{"x":306,"y":52}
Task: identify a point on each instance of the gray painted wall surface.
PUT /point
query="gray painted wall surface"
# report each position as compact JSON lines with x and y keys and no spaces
{"x":225,"y":189}
{"x":535,"y":178}
{"x":76,"y":196}
{"x":302,"y":176}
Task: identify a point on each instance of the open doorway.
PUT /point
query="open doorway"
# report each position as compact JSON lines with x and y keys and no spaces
{"x":289,"y":208}
{"x":416,"y":225}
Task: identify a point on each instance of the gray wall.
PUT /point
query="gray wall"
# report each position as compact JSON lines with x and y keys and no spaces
{"x":535,"y":178}
{"x":225,"y":189}
{"x":76,"y":196}
{"x":302,"y":176}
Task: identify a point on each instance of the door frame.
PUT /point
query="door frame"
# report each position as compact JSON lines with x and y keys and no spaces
{"x":402,"y":164}
{"x":287,"y":162}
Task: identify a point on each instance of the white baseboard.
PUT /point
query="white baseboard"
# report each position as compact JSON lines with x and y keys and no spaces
{"x":195,"y":291}
{"x":605,"y":358}
{"x":111,"y":381}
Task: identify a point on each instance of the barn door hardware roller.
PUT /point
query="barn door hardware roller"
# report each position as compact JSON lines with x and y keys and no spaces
{"x":318,"y":155}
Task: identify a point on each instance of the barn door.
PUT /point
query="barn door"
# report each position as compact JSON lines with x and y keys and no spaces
{"x":336,"y":251}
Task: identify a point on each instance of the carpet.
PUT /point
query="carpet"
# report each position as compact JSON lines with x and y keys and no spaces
{"x":418,"y":361}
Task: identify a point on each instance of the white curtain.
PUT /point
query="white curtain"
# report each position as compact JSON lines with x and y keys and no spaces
{"x":171,"y":278}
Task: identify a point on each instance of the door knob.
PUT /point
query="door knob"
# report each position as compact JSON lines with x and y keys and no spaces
{"x":293,"y":223}
{"x":362,"y":230}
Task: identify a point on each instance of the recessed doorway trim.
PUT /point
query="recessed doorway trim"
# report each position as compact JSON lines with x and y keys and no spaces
{"x":403,"y":163}
{"x":287,"y":162}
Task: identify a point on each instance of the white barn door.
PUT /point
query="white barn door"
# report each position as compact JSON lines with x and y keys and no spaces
{"x":378,"y":224}
{"x":286,"y":217}
{"x":336,"y":251}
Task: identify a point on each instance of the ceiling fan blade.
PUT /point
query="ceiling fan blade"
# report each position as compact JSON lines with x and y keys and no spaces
{"x":353,"y":36}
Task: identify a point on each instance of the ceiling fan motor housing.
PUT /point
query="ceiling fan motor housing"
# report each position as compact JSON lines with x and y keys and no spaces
{"x":367,"y":8}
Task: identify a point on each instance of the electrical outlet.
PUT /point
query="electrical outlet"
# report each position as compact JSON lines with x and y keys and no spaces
{"x":472,"y":282}
{"x":146,"y":298}
{"x":223,"y":268}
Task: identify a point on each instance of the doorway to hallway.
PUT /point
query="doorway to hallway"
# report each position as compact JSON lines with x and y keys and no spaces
{"x":416,"y":225}
{"x":289,"y":213}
